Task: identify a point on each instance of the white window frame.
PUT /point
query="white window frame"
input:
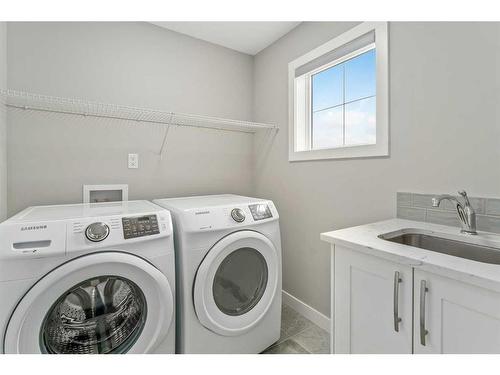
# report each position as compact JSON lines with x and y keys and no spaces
{"x":299,"y":93}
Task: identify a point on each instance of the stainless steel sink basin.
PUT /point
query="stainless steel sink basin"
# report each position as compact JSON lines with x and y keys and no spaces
{"x":461,"y":249}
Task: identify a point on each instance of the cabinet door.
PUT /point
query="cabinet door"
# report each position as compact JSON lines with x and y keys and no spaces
{"x":373,"y":304}
{"x":458,"y":317}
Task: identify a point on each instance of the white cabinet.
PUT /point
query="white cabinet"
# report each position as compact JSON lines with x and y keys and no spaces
{"x":373,"y":304}
{"x":381,"y":306}
{"x":459,"y":317}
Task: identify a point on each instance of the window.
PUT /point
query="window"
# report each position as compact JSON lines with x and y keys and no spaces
{"x":339,"y":97}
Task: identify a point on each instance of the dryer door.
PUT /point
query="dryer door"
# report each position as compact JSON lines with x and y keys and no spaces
{"x":236,"y":283}
{"x":107,"y":302}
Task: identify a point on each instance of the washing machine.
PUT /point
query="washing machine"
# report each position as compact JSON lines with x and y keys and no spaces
{"x":228,"y":257}
{"x":88,"y":278}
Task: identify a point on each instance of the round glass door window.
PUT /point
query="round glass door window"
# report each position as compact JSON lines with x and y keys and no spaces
{"x":240,"y":281}
{"x":101,"y":315}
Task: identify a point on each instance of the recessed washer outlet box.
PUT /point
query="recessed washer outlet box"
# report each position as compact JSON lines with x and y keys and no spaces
{"x":105,"y":193}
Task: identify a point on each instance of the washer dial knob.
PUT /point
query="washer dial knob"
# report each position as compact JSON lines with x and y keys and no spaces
{"x":97,"y":232}
{"x":238,"y":215}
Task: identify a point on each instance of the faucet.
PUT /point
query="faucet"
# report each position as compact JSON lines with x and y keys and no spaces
{"x":466,"y":213}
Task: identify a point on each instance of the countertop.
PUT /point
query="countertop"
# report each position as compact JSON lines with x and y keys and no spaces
{"x":365,"y":238}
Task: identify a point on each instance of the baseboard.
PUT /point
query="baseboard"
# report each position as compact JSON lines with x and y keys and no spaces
{"x":310,"y":313}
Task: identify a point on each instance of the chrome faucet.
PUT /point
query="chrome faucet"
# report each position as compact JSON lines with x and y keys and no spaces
{"x":465,"y":212}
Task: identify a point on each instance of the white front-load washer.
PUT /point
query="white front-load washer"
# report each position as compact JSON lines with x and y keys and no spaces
{"x":228,"y":256}
{"x":88,"y":278}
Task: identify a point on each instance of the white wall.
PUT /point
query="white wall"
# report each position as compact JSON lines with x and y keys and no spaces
{"x":445,"y":135}
{"x":139,"y":64}
{"x":3,"y":123}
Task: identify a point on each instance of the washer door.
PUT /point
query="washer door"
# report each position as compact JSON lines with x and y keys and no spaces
{"x":100,"y":303}
{"x":236,"y":283}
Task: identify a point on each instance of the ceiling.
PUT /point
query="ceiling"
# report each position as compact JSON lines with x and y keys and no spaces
{"x":246,"y":37}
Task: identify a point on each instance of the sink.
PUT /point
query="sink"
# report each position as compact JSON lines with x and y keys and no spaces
{"x":443,"y":245}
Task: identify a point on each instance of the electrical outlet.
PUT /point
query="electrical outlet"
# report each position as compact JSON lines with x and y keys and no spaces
{"x":133,"y":161}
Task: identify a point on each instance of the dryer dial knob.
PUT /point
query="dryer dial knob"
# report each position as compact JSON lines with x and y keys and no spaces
{"x":97,"y":232}
{"x":238,"y":215}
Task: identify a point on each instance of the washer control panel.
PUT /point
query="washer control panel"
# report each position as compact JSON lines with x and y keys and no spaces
{"x":140,"y":226}
{"x":260,"y":211}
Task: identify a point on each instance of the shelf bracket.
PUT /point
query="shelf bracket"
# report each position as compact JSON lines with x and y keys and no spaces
{"x":164,"y":142}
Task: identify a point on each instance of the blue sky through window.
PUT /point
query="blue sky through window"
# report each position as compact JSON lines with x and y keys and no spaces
{"x":344,"y":103}
{"x":328,"y":88}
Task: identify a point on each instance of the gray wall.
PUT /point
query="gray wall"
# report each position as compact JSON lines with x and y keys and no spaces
{"x":445,"y":86}
{"x":138,"y":64}
{"x":445,"y":135}
{"x":3,"y":122}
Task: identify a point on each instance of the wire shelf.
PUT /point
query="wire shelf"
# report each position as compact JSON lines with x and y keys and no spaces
{"x":45,"y":103}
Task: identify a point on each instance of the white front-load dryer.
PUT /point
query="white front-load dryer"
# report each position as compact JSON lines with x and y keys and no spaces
{"x":88,"y":278}
{"x":228,"y":256}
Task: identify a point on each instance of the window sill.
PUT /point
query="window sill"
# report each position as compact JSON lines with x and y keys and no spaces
{"x":364,"y":151}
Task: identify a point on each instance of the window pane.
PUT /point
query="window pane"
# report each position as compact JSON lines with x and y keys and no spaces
{"x":360,"y":74}
{"x":360,"y":124}
{"x":327,"y":128}
{"x":327,"y":89}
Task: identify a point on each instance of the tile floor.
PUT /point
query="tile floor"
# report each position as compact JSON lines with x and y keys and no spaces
{"x":299,"y":336}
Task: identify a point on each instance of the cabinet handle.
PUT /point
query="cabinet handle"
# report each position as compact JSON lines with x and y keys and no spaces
{"x":397,"y":319}
{"x":423,"y":331}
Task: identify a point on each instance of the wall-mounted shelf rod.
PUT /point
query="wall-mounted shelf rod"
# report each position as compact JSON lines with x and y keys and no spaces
{"x":52,"y":104}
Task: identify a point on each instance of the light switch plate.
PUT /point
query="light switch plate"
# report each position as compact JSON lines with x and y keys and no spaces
{"x":133,"y":161}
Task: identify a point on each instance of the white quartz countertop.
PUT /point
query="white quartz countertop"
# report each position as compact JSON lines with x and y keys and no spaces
{"x":365,"y":238}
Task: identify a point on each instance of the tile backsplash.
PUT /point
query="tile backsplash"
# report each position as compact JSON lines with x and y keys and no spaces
{"x":413,"y":206}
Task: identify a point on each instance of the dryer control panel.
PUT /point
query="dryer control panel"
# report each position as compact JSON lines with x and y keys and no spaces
{"x":210,"y":218}
{"x":140,"y":226}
